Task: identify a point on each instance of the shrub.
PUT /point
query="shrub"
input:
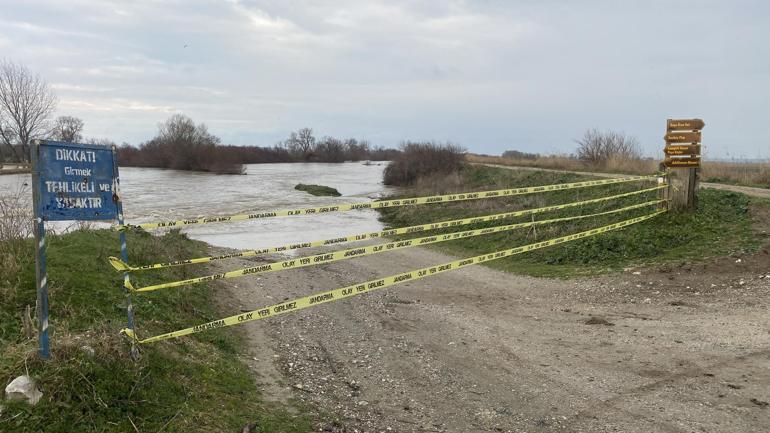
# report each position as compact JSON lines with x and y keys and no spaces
{"x":422,"y":159}
{"x":598,"y":148}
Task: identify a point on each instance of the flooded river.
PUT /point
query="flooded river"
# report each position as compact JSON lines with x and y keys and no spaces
{"x":158,"y":195}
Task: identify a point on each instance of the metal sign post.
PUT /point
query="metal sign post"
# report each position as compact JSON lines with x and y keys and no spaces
{"x":41,"y":306}
{"x":117,"y":199}
{"x":69,"y":182}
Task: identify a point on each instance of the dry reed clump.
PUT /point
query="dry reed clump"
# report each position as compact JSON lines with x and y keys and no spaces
{"x":15,"y":228}
{"x":570,"y":163}
{"x":751,"y":174}
{"x":631,"y":165}
{"x":556,"y":162}
{"x":438,"y":184}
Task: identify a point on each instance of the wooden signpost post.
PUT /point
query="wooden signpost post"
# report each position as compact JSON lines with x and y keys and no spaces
{"x":683,"y":154}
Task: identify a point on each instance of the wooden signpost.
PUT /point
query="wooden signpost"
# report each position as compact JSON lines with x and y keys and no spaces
{"x":682,"y":150}
{"x":682,"y":137}
{"x":683,"y":154}
{"x":685,"y":124}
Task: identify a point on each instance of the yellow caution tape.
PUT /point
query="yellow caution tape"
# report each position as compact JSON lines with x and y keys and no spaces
{"x":381,"y":283}
{"x":380,"y":204}
{"x":334,"y":256}
{"x":121,"y":266}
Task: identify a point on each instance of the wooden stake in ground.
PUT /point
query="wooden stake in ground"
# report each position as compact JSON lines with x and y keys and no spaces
{"x":683,"y":158}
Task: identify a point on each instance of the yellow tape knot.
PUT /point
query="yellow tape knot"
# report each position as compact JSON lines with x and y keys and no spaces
{"x":130,"y":334}
{"x":118,"y":264}
{"x":127,"y":284}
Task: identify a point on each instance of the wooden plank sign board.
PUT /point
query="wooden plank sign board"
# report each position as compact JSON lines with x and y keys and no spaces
{"x":682,"y":137}
{"x":682,"y":150}
{"x":692,"y":162}
{"x":685,"y":124}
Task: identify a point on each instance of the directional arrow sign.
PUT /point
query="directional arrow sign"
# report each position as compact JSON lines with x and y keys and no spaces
{"x":682,"y":137}
{"x":682,"y":150}
{"x":683,"y":162}
{"x":685,"y":124}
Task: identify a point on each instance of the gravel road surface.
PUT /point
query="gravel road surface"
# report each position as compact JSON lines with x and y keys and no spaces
{"x":681,"y":348}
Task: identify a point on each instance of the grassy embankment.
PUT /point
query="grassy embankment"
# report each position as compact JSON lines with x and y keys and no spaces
{"x":721,"y":226}
{"x":318,"y":190}
{"x":196,"y":384}
{"x":755,"y":174}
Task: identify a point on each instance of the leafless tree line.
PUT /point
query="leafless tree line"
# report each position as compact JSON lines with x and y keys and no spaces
{"x":302,"y":145}
{"x":181,"y":144}
{"x":27,"y":104}
{"x":515,"y":154}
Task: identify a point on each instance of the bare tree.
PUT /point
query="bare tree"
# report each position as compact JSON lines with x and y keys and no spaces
{"x":357,"y":150}
{"x":598,"y":147}
{"x":183,"y":145}
{"x":306,"y":140}
{"x":68,"y":128}
{"x":26,"y":105}
{"x":330,"y":149}
{"x":301,"y":144}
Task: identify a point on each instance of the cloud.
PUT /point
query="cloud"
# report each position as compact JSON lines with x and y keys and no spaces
{"x":490,"y":75}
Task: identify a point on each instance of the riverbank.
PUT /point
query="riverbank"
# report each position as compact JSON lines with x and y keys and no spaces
{"x":721,"y":226}
{"x":203,"y":384}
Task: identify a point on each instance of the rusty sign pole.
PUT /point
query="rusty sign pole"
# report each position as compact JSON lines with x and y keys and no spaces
{"x":683,"y":155}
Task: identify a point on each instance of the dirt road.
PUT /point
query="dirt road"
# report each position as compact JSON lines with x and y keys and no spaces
{"x":680,"y":349}
{"x":751,"y":191}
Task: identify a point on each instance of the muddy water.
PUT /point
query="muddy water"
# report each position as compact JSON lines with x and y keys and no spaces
{"x":152,"y":195}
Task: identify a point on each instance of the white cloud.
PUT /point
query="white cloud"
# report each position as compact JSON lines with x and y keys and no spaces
{"x":80,"y":88}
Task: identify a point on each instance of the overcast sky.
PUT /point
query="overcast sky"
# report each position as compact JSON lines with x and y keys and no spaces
{"x":489,"y":75}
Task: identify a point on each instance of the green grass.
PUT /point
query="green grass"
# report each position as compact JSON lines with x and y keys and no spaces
{"x":720,"y":226}
{"x":318,"y":190}
{"x":196,"y":384}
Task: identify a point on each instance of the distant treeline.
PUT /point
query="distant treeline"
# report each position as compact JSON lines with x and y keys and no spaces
{"x":515,"y":154}
{"x":182,"y":145}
